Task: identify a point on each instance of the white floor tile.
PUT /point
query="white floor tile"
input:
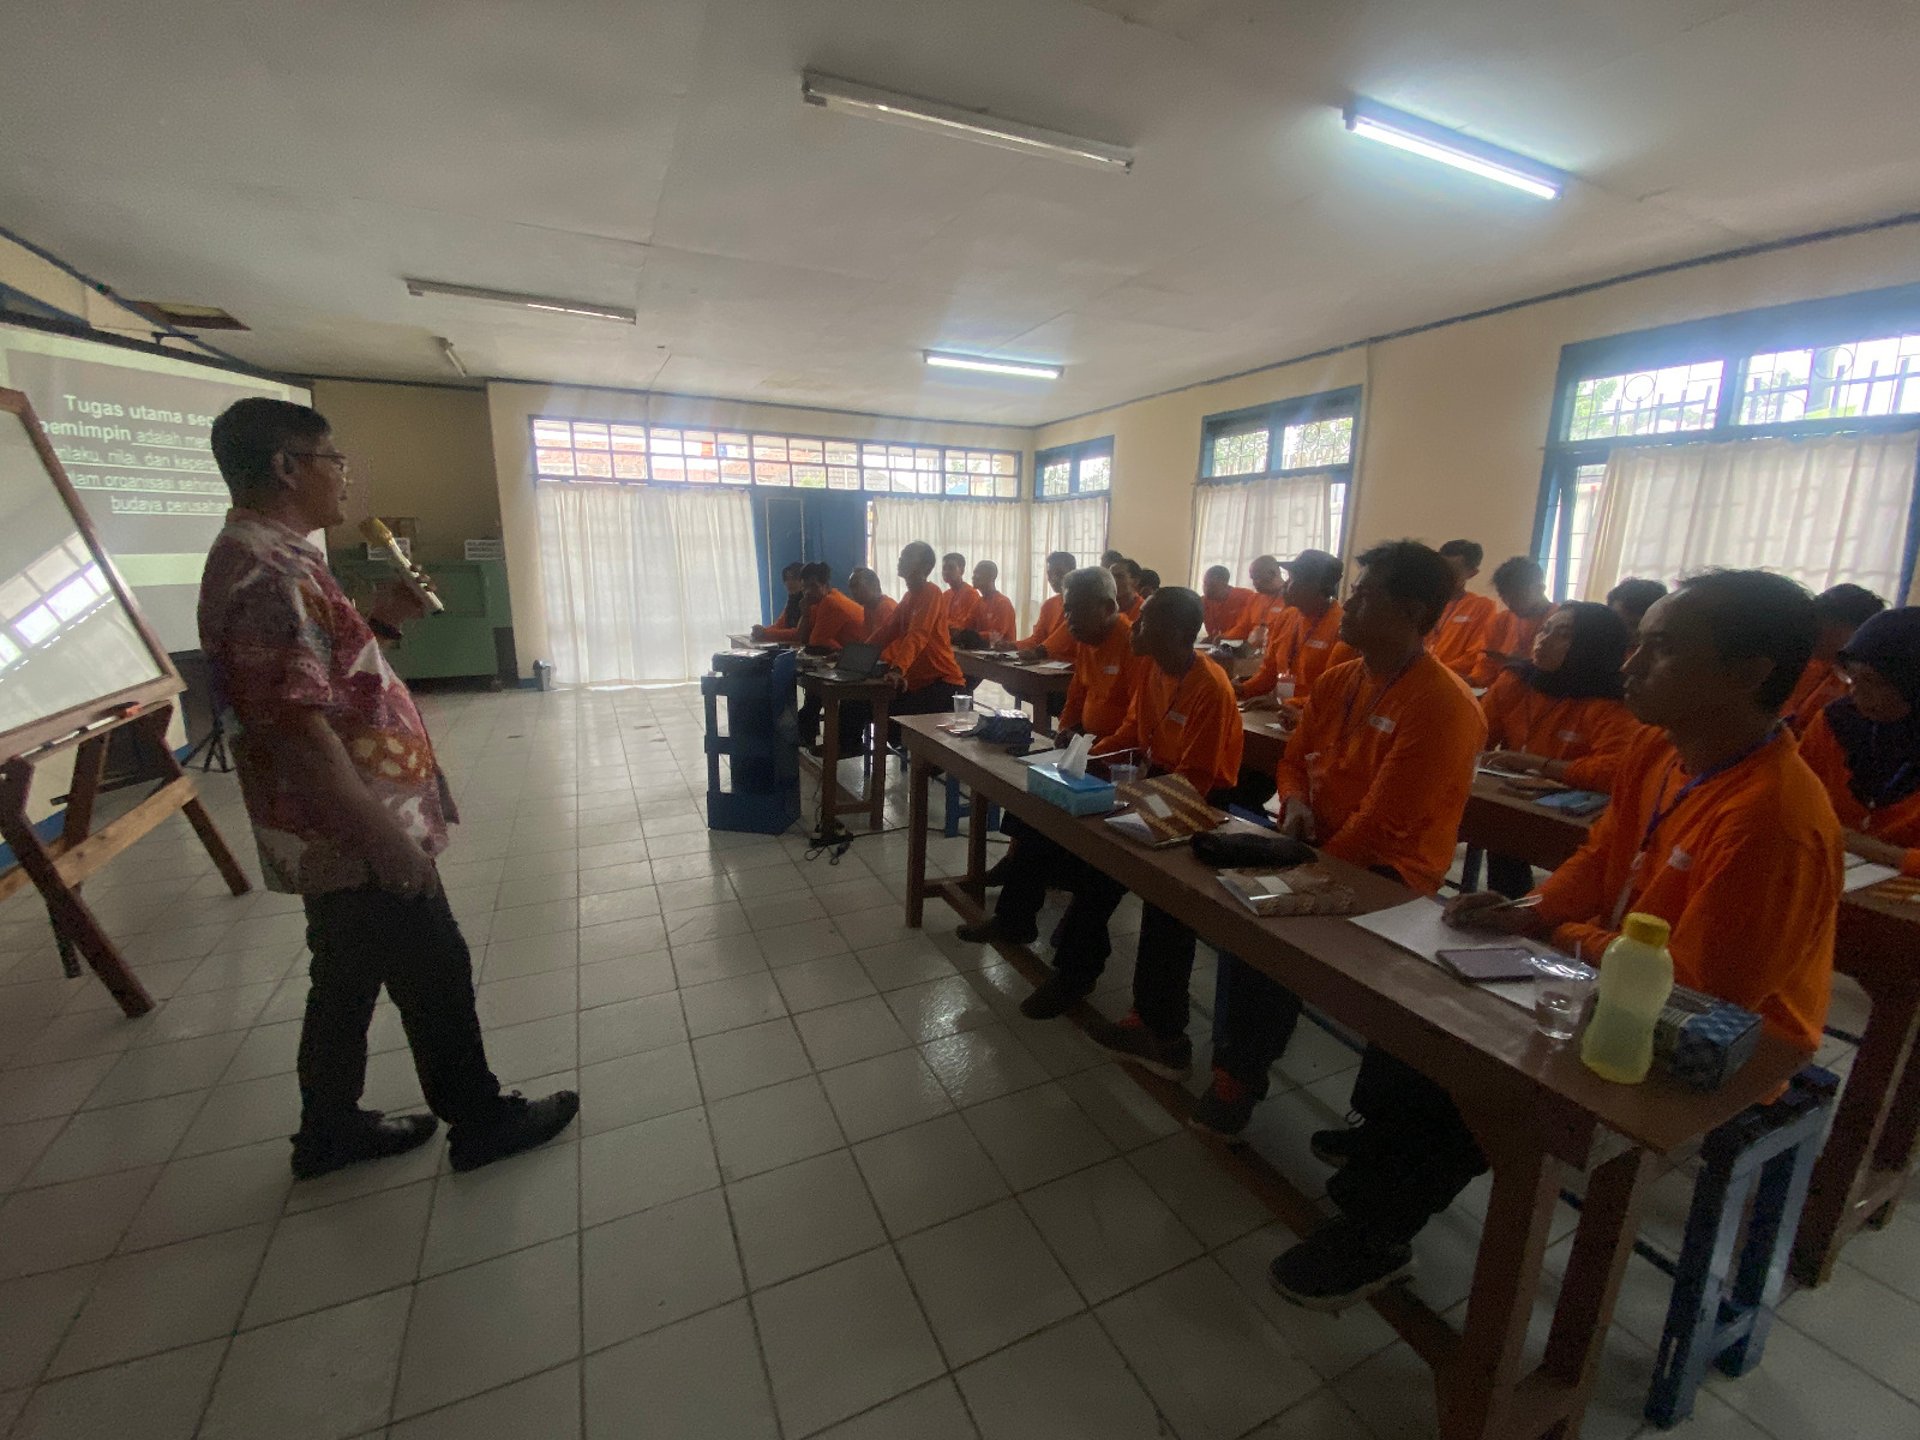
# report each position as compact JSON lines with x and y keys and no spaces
{"x":802,"y":1216}
{"x":546,"y":1405}
{"x":701,"y":962}
{"x":1321,"y":1417}
{"x":645,"y":1165}
{"x":158,"y":1398}
{"x":157,"y":1299}
{"x":37,"y":1092}
{"x":456,"y":1345}
{"x":629,"y":1027}
{"x":1109,"y":1229}
{"x":607,"y":981}
{"x":324,"y":1376}
{"x":729,"y":1004}
{"x":507,"y":1205}
{"x":156,"y":1070}
{"x":35,"y":1312}
{"x":980,"y":1064}
{"x":1127,"y":1115}
{"x":338,"y":1253}
{"x":1066,"y":1383}
{"x":1208,"y":1201}
{"x":661,"y":1265}
{"x":986,"y":1279}
{"x":121,"y":1137}
{"x":816,"y":984}
{"x":253,"y":1110}
{"x":644,"y":935}
{"x":1331,"y":1344}
{"x":887,"y":1092}
{"x":773,"y":1126}
{"x":1873,"y":1325}
{"x":60,"y":1225}
{"x":843,"y":1339}
{"x":785,"y":945}
{"x":928,"y":1173}
{"x":735,"y":1061}
{"x":698,"y":1380}
{"x":945,"y":1005}
{"x":617,"y":1093}
{"x":933,"y":1412}
{"x":1036,"y":1135}
{"x":854,"y":1030}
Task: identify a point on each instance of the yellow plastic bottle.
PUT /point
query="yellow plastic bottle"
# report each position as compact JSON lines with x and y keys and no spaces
{"x":1636,"y":976}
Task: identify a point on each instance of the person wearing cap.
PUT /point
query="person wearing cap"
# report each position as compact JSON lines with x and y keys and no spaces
{"x":1227,"y":607}
{"x":1842,"y":609}
{"x":1522,"y":587}
{"x":1718,"y":830}
{"x":1460,"y":635}
{"x":1304,"y":643}
{"x":1865,"y":746}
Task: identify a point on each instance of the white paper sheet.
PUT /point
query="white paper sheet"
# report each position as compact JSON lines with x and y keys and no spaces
{"x":1862,"y":873}
{"x":1417,"y":927}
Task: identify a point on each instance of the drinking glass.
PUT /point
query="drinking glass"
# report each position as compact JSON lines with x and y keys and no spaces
{"x":1560,"y":997}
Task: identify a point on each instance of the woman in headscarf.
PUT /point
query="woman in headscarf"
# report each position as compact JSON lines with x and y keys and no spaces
{"x":1560,"y":715}
{"x":1865,"y":746}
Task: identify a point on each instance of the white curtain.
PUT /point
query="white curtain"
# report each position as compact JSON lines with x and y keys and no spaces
{"x":1233,"y":525}
{"x":643,"y":582}
{"x":1077,"y":526}
{"x":1822,"y":510}
{"x":978,"y":529}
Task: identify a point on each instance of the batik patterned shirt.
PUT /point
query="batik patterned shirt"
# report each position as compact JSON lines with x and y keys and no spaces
{"x":279,"y":632}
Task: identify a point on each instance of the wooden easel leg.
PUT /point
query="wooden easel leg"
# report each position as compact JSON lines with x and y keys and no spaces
{"x":72,"y":922}
{"x":196,"y":811}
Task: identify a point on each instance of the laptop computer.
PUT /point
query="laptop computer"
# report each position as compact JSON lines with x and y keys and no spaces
{"x":855,"y":662}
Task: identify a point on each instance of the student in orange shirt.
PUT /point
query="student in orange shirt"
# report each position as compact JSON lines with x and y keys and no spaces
{"x":875,"y":604}
{"x":1717,"y":826}
{"x":1632,"y":598}
{"x":1224,"y":605}
{"x":1267,"y":611}
{"x":1376,"y":773}
{"x":1842,"y":609}
{"x":991,"y":622}
{"x":1460,"y":635}
{"x":1105,"y":673}
{"x":1522,"y":587}
{"x":914,"y":645}
{"x":1865,"y":746}
{"x":832,"y":619}
{"x":1060,"y":564}
{"x":786,"y":625}
{"x":1184,"y":718}
{"x":1561,"y":715}
{"x":960,"y":596}
{"x":1126,"y":586}
{"x":1304,"y":644}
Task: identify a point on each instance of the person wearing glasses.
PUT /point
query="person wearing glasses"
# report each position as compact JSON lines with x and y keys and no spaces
{"x":348,"y":804}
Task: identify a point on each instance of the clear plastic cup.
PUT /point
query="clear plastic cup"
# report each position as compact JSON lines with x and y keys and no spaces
{"x":963,"y":704}
{"x":1560,"y":996}
{"x":1123,"y":774}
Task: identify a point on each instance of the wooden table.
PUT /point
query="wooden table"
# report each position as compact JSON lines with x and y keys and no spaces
{"x":1532,"y":1106}
{"x":1044,"y":690}
{"x":831,"y":694}
{"x":1862,"y":1174}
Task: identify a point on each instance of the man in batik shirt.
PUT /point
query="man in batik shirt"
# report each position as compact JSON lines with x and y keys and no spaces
{"x":348,"y":806}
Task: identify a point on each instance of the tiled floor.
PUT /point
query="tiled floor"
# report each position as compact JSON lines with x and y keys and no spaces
{"x":826,"y":1181}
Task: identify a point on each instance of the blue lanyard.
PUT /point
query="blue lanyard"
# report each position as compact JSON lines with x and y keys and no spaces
{"x":1661,"y":812}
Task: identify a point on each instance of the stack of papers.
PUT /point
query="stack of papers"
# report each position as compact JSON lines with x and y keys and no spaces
{"x":1417,"y":926}
{"x":1862,"y":873}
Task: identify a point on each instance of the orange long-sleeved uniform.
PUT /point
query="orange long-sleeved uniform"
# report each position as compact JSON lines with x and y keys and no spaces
{"x":1745,"y":869}
{"x":1104,"y":679}
{"x":1510,"y":634}
{"x":1386,"y":768}
{"x":914,"y":638}
{"x":1897,"y":823}
{"x":1456,"y":642}
{"x":1230,"y":617}
{"x":1819,"y":686}
{"x":833,"y":620}
{"x":960,"y":601}
{"x":1589,"y":735}
{"x":1268,"y":610}
{"x":1053,"y":610}
{"x":1189,"y":724}
{"x":1301,"y":647}
{"x":992,"y":615}
{"x":877,"y":614}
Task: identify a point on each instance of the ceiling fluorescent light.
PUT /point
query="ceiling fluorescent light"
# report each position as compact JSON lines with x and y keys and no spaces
{"x":525,"y":302}
{"x":1410,"y":133}
{"x":948,"y":360}
{"x":977,"y":125}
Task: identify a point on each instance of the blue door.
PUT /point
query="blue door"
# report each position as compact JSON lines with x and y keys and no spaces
{"x":806,"y":525}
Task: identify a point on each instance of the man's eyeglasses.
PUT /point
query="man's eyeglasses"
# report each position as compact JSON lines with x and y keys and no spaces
{"x":332,"y":455}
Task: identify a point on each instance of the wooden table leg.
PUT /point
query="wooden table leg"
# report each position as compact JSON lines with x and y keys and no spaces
{"x":976,"y":843}
{"x":1601,"y":1248}
{"x":1900,"y":1136}
{"x":877,"y":776}
{"x":919,"y":777}
{"x":1873,"y":1085}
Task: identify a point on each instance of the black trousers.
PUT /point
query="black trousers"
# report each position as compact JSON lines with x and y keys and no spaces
{"x":856,"y":717}
{"x":362,"y":939}
{"x":1415,"y":1153}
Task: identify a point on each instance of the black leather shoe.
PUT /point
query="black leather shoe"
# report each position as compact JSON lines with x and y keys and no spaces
{"x":1055,"y":995}
{"x":368,"y":1135}
{"x":520,"y":1124}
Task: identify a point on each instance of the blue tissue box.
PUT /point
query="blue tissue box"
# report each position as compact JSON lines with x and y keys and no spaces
{"x":1075,"y":794}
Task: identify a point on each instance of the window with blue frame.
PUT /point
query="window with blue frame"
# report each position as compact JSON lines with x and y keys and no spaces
{"x":1311,"y":436}
{"x":1846,"y":366}
{"x":1069,"y":471}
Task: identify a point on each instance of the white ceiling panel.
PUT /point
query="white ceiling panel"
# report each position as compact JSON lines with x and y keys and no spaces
{"x":292,"y":162}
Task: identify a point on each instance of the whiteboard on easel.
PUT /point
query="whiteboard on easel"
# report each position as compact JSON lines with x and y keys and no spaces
{"x":73,"y":647}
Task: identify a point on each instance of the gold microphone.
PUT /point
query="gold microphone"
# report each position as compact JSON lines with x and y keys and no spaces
{"x":375,"y":532}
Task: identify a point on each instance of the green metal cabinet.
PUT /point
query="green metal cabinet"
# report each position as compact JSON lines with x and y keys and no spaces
{"x":471,"y":639}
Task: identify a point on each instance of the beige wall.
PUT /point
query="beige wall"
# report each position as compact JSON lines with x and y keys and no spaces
{"x":1454,"y":420}
{"x":513,"y":406}
{"x":418,"y":450}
